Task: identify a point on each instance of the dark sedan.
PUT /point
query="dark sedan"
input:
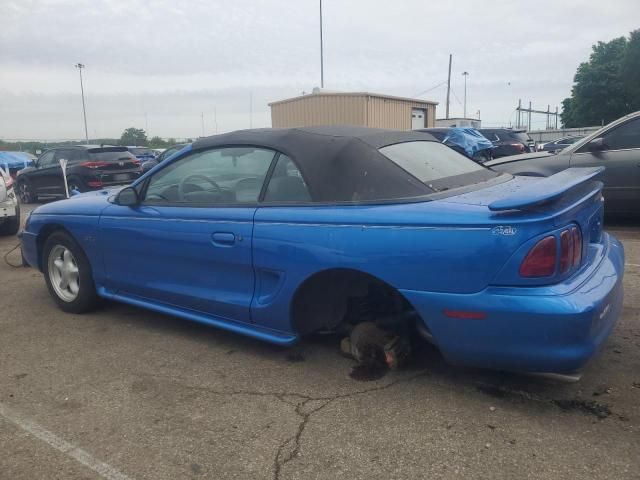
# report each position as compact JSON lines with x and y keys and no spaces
{"x":508,"y":141}
{"x":615,"y":146}
{"x":560,"y":144}
{"x":149,"y":164}
{"x":88,"y":168}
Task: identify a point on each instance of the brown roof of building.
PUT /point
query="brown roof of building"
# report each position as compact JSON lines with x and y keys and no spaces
{"x":356,"y":94}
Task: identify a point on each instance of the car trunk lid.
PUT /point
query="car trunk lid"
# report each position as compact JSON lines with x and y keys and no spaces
{"x":524,"y":210}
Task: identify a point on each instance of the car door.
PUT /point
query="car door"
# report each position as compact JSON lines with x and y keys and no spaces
{"x":619,"y":153}
{"x":188,"y":244}
{"x":47,"y":178}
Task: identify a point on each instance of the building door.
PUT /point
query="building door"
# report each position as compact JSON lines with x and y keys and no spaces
{"x":417,"y":118}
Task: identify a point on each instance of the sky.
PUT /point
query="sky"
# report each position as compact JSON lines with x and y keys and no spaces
{"x":178,"y":68}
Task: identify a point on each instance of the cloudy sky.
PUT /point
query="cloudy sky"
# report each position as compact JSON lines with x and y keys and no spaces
{"x":167,"y":64}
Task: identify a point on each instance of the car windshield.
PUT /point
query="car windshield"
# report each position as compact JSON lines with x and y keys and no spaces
{"x":141,"y":151}
{"x":437,"y":166}
{"x":171,"y":150}
{"x":110,"y":154}
{"x":521,"y":136}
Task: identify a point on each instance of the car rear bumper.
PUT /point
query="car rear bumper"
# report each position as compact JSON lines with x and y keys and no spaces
{"x":8,"y":208}
{"x":534,"y":329}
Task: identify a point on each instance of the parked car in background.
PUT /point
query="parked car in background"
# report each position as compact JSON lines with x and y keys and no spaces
{"x":277,"y":233}
{"x":508,"y":141}
{"x":559,"y":144}
{"x":142,"y":153}
{"x":9,"y":207}
{"x":12,"y":162}
{"x":465,"y":140}
{"x":615,"y":147}
{"x":149,"y":164}
{"x":90,"y":167}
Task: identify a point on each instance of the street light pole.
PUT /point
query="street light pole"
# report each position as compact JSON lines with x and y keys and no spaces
{"x":80,"y":66}
{"x":465,"y":74}
{"x":321,"y":51}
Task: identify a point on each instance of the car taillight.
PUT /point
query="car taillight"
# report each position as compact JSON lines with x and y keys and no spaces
{"x":541,"y":259}
{"x":519,"y":146}
{"x":566,"y":253}
{"x":94,"y":183}
{"x":94,"y":164}
{"x":576,"y":236}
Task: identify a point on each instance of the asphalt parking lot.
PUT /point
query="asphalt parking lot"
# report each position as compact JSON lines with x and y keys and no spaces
{"x":123,"y":393}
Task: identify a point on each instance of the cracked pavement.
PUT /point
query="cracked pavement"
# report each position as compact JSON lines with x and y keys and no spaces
{"x":156,"y":397}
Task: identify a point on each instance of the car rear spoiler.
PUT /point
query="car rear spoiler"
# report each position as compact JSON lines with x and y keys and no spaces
{"x":545,"y":190}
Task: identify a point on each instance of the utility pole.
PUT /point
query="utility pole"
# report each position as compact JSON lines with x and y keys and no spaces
{"x":146,"y":124}
{"x":80,"y":66}
{"x":465,"y":75}
{"x":321,"y":51}
{"x":548,"y":116}
{"x":523,"y":122}
{"x":215,"y":119}
{"x":449,"y":85}
{"x":202,"y":118}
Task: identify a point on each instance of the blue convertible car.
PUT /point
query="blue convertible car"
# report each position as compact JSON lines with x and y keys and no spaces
{"x":277,"y":233}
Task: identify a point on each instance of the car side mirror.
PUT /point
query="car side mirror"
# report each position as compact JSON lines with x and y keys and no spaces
{"x":128,"y":197}
{"x":596,"y":145}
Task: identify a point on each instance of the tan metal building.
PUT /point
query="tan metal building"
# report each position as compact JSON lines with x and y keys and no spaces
{"x":361,"y":108}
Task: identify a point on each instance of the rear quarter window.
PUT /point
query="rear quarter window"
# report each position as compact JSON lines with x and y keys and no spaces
{"x":436,"y":165}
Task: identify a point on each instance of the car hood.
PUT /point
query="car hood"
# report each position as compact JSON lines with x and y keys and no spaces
{"x":89,"y":203}
{"x":517,"y":158}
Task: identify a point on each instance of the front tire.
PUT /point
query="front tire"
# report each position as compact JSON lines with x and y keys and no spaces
{"x":11,"y":225}
{"x":68,"y":274}
{"x":25,"y":192}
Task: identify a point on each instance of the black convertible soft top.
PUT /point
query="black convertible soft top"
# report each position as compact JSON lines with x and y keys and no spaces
{"x":338,"y":163}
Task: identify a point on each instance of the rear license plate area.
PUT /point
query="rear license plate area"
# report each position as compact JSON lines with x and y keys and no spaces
{"x":120,"y":177}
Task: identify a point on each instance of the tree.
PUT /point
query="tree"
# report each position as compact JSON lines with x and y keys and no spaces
{"x":597,"y":95}
{"x":157,"y":142}
{"x":631,"y":70}
{"x":134,"y":136}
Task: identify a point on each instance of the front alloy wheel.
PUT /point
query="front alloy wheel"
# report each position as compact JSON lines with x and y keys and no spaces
{"x":24,"y":193}
{"x":63,"y":273}
{"x":67,"y":272}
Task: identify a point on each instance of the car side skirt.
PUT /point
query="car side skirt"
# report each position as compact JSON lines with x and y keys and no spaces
{"x":250,"y":330}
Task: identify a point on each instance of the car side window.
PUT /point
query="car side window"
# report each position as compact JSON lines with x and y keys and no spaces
{"x":46,"y":160}
{"x":76,"y":155}
{"x":220,"y":176}
{"x":60,"y":154}
{"x":623,"y":137}
{"x":286,"y":183}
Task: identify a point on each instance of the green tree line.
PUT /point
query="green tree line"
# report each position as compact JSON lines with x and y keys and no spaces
{"x":130,"y":137}
{"x":607,"y":86}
